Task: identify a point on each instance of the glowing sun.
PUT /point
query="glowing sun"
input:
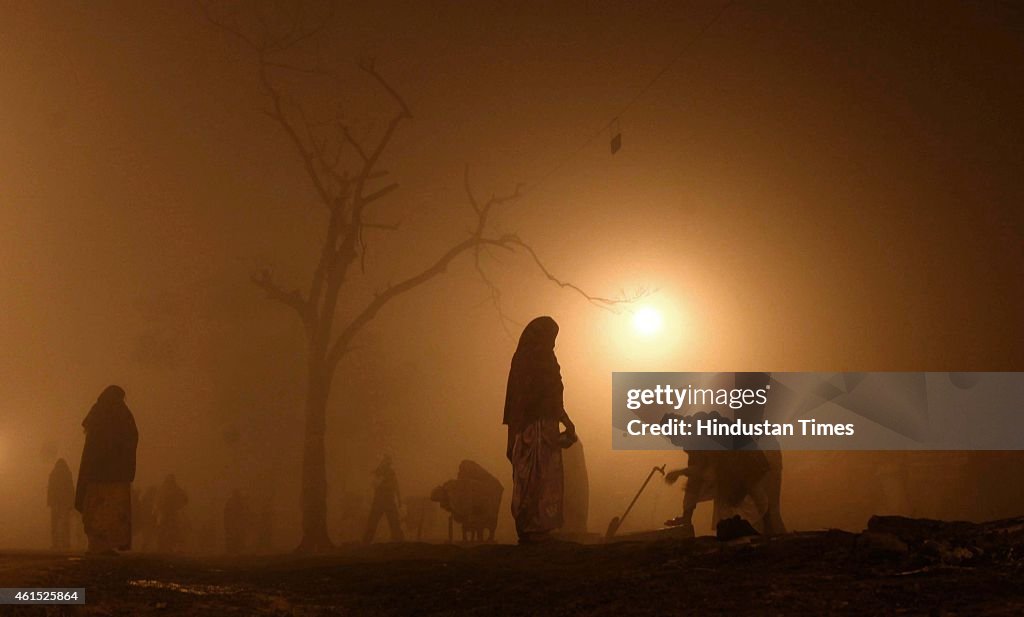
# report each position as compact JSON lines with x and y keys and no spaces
{"x":647,"y":321}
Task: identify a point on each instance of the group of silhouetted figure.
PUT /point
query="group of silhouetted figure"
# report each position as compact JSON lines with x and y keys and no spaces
{"x":113,"y":518}
{"x":155,"y":519}
{"x":534,"y":415}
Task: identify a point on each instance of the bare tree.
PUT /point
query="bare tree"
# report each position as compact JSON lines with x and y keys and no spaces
{"x":345,"y":174}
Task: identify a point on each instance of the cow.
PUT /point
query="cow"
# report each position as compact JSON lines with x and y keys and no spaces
{"x":472,"y":499}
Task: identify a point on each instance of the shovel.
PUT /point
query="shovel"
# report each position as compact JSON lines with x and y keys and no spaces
{"x":613,"y":526}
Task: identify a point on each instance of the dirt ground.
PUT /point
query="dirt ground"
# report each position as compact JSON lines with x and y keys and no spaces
{"x":828,"y":572}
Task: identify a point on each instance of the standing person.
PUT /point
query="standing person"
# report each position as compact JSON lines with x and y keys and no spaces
{"x":105,"y":475}
{"x":60,"y":497}
{"x":171,"y":500}
{"x":386,"y":500}
{"x":533,"y":410}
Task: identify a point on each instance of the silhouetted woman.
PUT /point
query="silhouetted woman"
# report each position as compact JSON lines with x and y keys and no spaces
{"x":533,"y":409}
{"x":60,"y":497}
{"x":104,"y":492}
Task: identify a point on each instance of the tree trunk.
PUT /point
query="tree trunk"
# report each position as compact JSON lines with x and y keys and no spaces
{"x":314,"y":464}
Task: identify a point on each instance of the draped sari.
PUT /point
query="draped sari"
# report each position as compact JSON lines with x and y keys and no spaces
{"x":533,"y":408}
{"x":105,"y":474}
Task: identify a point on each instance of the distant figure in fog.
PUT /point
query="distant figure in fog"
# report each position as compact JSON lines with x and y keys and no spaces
{"x":170,"y":502}
{"x":533,"y":410}
{"x":60,"y":498}
{"x":236,"y":523}
{"x":386,"y":500}
{"x":105,"y":475}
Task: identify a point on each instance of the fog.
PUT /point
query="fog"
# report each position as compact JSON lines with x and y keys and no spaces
{"x":806,"y":188}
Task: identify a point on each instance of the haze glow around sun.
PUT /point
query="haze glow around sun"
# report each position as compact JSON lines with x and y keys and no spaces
{"x":647,"y":321}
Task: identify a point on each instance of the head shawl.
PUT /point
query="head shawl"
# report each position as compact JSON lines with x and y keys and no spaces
{"x":538,"y":336}
{"x":111,"y":438}
{"x":534,"y":387}
{"x":111,"y":394}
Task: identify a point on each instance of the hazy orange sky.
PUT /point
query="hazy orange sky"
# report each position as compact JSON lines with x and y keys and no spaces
{"x":810,"y":187}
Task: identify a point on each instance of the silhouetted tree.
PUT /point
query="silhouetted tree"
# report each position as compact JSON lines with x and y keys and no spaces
{"x":345,"y":174}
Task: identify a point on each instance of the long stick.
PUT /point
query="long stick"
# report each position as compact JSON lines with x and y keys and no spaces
{"x":642,"y":487}
{"x":616,"y":522}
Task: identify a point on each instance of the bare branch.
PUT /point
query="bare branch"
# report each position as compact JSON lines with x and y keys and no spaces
{"x":506,"y":241}
{"x":597,"y":300}
{"x":371,"y":159}
{"x":355,"y":144}
{"x":494,"y":293}
{"x":326,"y":263}
{"x":296,"y":34}
{"x":231,"y":29}
{"x":369,"y":65}
{"x":280,"y":115}
{"x":291,"y":298}
{"x":484,"y":211}
{"x":354,"y":236}
{"x":374,"y":196}
{"x":341,"y":343}
{"x":469,"y":189}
